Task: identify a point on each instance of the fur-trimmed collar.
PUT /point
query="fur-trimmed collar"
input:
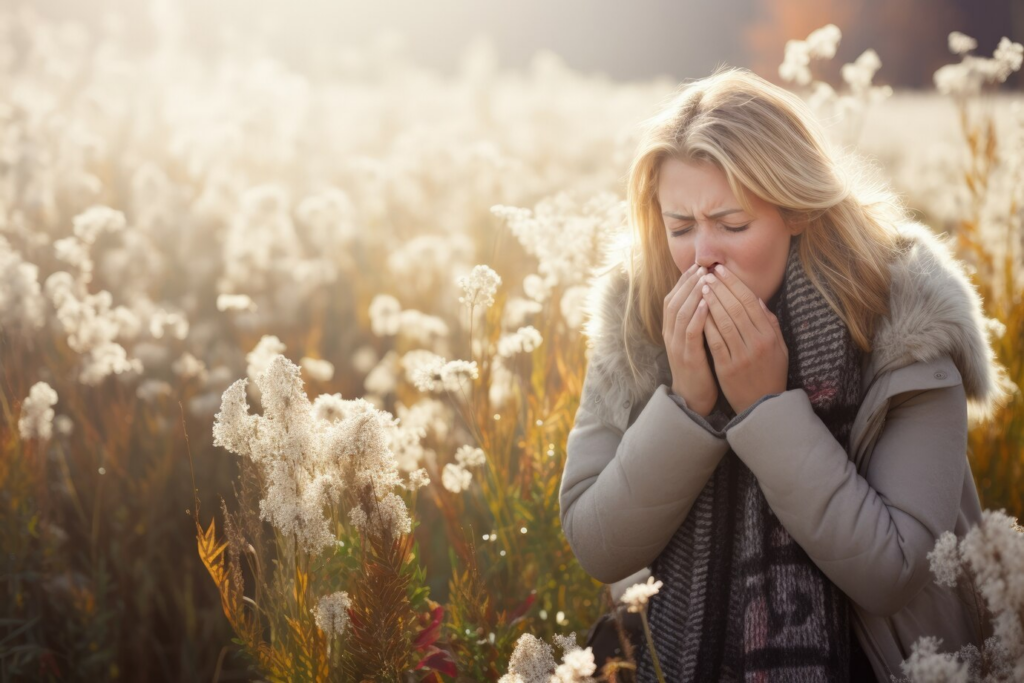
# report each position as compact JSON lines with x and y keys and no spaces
{"x":934,"y":310}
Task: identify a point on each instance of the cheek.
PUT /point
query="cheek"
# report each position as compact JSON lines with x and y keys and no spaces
{"x":682,"y":256}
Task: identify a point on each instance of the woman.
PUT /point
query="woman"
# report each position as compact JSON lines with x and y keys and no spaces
{"x":774,"y":418}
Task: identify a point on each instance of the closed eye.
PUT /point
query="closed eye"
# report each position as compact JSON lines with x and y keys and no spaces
{"x":679,"y":233}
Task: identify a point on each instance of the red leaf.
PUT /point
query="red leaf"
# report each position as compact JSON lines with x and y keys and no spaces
{"x":430,"y":634}
{"x":521,"y":610}
{"x":438,"y":660}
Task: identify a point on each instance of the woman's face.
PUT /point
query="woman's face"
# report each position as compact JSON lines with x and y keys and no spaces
{"x":702,"y":221}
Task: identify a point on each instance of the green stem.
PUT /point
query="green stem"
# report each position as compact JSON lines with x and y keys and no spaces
{"x":650,"y":644}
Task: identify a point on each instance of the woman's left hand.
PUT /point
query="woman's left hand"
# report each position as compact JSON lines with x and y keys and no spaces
{"x":751,"y":357}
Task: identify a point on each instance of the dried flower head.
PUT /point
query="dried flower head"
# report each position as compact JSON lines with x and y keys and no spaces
{"x":36,"y":421}
{"x":479,"y":287}
{"x":636,"y":596}
{"x":331,"y":613}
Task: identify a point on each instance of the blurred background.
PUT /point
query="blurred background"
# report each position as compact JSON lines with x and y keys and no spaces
{"x":623,"y":40}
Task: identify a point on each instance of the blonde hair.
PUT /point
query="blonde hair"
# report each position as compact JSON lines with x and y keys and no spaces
{"x":767,"y":141}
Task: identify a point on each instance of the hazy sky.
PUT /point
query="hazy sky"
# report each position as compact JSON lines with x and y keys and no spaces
{"x":625,"y":40}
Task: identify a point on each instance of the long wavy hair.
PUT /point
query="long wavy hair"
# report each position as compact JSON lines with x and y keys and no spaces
{"x":767,"y":141}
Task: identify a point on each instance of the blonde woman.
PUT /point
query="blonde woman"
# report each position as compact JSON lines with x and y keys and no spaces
{"x":774,"y":419}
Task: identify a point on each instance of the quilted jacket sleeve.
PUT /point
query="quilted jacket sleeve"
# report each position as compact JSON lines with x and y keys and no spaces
{"x":869,"y":534}
{"x":625,"y":490}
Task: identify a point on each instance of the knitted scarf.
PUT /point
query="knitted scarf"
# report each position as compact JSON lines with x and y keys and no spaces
{"x":741,"y":600}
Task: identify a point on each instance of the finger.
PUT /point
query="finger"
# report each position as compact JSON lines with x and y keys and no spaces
{"x":690,"y":302}
{"x":773,"y":320}
{"x":737,"y":309}
{"x":695,"y":330}
{"x":724,"y":323}
{"x":743,"y":294}
{"x":680,"y":296}
{"x":716,"y":342}
{"x":675,"y":288}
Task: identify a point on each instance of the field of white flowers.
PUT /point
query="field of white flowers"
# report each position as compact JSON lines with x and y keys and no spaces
{"x":288,"y":360}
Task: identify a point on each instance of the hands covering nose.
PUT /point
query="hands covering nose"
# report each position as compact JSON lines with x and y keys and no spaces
{"x":750,"y":356}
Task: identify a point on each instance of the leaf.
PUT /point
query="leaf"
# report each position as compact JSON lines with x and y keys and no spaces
{"x":429,"y":635}
{"x":438,"y":660}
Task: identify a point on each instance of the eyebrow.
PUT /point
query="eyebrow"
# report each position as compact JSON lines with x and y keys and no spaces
{"x":717,"y":214}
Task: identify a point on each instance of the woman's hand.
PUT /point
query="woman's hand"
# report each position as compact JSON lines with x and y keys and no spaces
{"x":750,"y":355}
{"x":683,"y":330}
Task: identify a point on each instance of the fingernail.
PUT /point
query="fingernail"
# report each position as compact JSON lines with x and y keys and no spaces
{"x":702,"y":270}
{"x":710,"y":278}
{"x":721,"y":270}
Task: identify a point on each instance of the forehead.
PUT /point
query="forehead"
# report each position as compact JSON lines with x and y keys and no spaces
{"x":686,"y":186}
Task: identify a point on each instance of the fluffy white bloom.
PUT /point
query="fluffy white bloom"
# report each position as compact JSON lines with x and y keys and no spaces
{"x":235,"y":302}
{"x":96,"y":220}
{"x":479,"y":287}
{"x":518,"y":310}
{"x":532,"y":661}
{"x":636,"y":596}
{"x":188,"y":366}
{"x":822,"y":42}
{"x":524,"y":340}
{"x":960,"y":44}
{"x":318,"y":369}
{"x":859,"y":74}
{"x":384,"y":315}
{"x":259,"y":359}
{"x":536,"y":288}
{"x":420,"y":327}
{"x":456,"y":478}
{"x":36,"y":421}
{"x":470,"y":456}
{"x":383,"y":378}
{"x":926,"y":663}
{"x":795,"y":64}
{"x":967,"y":77}
{"x":578,"y":666}
{"x":430,"y":372}
{"x":22,"y":306}
{"x":418,"y":479}
{"x":331,"y":613}
{"x":1010,"y":55}
{"x":568,"y":238}
{"x":364,"y":359}
{"x":161,"y":319}
{"x":945,"y":559}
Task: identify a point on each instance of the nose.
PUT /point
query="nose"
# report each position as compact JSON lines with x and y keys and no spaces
{"x":706,"y":251}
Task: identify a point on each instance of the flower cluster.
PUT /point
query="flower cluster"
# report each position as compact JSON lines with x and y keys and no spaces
{"x":479,"y":287}
{"x":331,"y":613}
{"x":967,"y":77}
{"x":36,"y":421}
{"x":309,"y":453}
{"x":636,"y":596}
{"x":533,"y":661}
{"x":456,"y":476}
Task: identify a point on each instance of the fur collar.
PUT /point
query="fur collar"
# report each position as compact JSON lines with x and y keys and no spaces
{"x":935,"y":310}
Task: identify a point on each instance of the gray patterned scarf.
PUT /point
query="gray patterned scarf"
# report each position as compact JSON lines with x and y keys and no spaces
{"x":741,"y":600}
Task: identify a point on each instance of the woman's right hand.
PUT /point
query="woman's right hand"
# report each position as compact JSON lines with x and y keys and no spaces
{"x":683,"y":330}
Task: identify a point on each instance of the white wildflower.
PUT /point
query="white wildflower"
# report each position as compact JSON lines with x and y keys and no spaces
{"x":188,"y":367}
{"x":317,"y":369}
{"x":926,"y":663}
{"x":795,"y":64}
{"x":456,"y":478}
{"x":822,"y":42}
{"x":420,"y":327}
{"x":479,"y":287}
{"x":532,"y":660}
{"x":536,"y":288}
{"x":383,"y":379}
{"x":470,"y":456}
{"x":578,"y":666}
{"x":517,"y":310}
{"x":259,"y":359}
{"x":524,"y":340}
{"x":22,"y":306}
{"x":636,"y":596}
{"x":418,"y":479}
{"x":95,"y":220}
{"x":960,"y":44}
{"x":384,"y":315}
{"x":235,"y":302}
{"x":331,"y":613}
{"x":36,"y":421}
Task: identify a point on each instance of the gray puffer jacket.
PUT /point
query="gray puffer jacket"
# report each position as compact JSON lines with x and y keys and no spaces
{"x":637,"y":458}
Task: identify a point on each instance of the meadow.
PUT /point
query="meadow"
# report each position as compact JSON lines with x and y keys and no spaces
{"x":288,"y":359}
